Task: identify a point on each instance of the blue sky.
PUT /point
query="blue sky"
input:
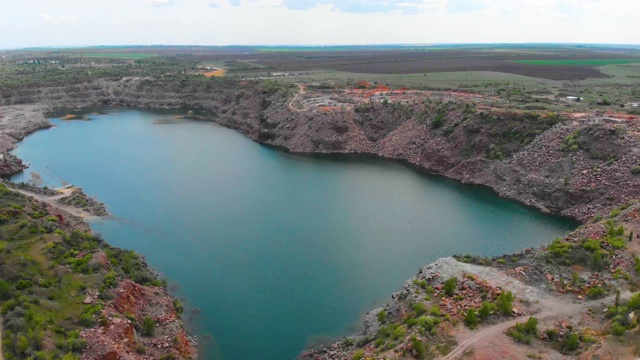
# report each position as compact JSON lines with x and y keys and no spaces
{"x":28,"y":23}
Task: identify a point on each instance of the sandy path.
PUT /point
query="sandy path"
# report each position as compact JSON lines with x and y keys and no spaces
{"x":555,"y":307}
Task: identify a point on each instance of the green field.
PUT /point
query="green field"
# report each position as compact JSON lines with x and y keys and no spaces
{"x":119,"y":56}
{"x":580,"y":62}
{"x":339,"y":48}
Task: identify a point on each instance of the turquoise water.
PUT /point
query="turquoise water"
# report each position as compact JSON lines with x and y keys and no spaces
{"x":278,"y":251}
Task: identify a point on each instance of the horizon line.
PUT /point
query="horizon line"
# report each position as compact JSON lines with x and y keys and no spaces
{"x":61,"y":47}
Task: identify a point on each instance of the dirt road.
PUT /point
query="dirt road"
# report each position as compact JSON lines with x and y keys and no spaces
{"x":553,"y":306}
{"x":297,"y":97}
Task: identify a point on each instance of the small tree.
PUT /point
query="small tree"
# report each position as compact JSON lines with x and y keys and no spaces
{"x":485,"y":310}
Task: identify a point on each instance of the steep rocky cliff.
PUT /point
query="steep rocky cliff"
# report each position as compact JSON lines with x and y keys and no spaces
{"x":575,"y":168}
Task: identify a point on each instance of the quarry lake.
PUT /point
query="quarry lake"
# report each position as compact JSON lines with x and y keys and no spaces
{"x":277,"y":251}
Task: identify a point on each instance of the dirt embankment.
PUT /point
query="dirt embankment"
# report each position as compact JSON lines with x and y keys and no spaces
{"x":522,"y":156}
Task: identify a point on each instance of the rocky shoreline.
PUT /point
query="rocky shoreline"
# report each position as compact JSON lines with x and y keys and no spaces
{"x":520,"y":155}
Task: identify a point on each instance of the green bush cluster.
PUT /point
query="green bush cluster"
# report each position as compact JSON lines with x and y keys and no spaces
{"x":559,"y":248}
{"x":621,"y":321}
{"x":571,"y":143}
{"x":524,"y":332}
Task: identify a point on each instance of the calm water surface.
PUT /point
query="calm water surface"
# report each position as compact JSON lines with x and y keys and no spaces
{"x":277,"y":250}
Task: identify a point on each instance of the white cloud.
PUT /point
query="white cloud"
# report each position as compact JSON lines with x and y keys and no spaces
{"x":47,"y":19}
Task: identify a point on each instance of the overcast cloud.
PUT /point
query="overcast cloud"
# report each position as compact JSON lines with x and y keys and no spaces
{"x":29,"y":23}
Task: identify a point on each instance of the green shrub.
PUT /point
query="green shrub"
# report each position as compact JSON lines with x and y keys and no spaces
{"x":23,"y":284}
{"x":382,"y":316}
{"x":616,"y":242}
{"x":438,"y":121}
{"x":70,"y":356}
{"x":148,"y":326}
{"x":422,"y":283}
{"x":435,"y":311}
{"x":110,"y":280}
{"x":518,"y":336}
{"x":418,"y":347}
{"x":88,"y":317}
{"x":178,"y":306}
{"x":635,"y":170}
{"x":358,"y":355}
{"x":529,"y":327}
{"x":595,"y":292}
{"x":6,"y":290}
{"x":428,"y":323}
{"x":471,"y":319}
{"x":571,"y":342}
{"x":504,"y":303}
{"x":552,"y":334}
{"x":591,"y":244}
{"x":393,"y":331}
{"x":419,"y":308}
{"x":634,"y":302}
{"x":559,"y":248}
{"x":485,"y":310}
{"x":617,"y":329}
{"x":72,"y":343}
{"x":598,"y":261}
{"x":450,"y":286}
{"x":410,"y":321}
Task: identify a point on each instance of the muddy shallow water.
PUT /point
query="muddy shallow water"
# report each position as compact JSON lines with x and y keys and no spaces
{"x":277,"y":251}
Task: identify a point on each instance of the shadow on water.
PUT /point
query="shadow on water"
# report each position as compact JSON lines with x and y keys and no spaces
{"x":477,"y":192}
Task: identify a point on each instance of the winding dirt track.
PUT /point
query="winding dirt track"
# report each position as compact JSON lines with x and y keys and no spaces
{"x":556,"y":306}
{"x":297,"y":97}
